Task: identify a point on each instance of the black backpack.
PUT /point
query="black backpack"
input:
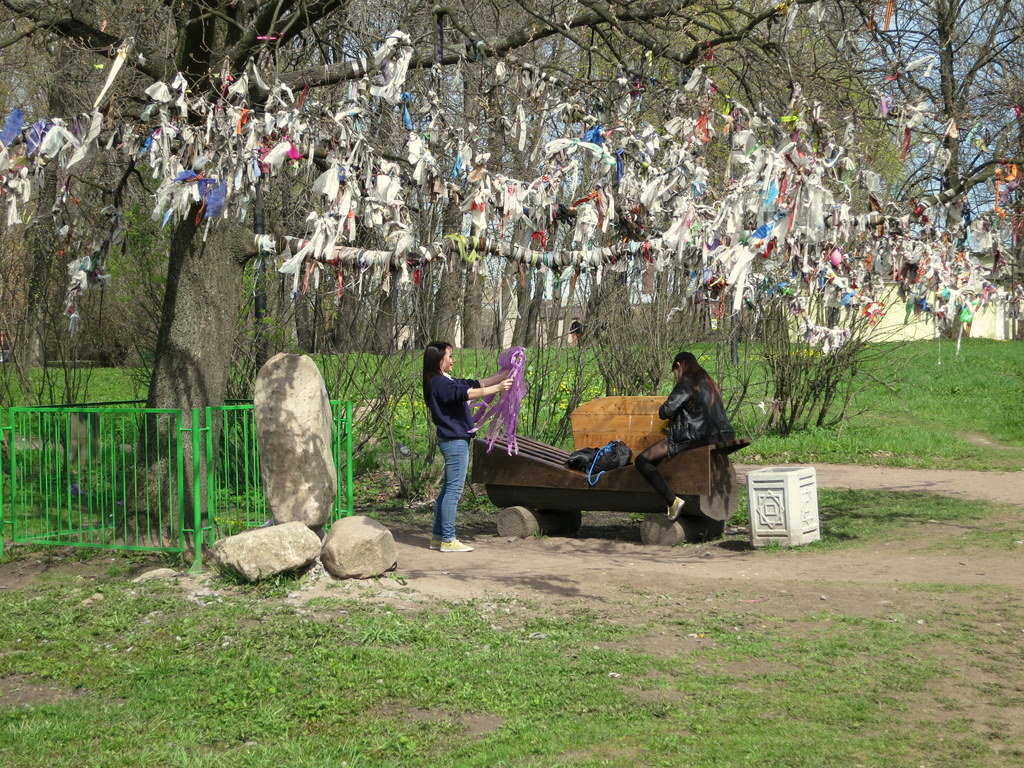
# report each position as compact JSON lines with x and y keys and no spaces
{"x":595,"y":461}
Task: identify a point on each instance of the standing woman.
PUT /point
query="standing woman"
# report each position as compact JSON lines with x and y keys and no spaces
{"x":697,"y":418}
{"x":448,"y":399}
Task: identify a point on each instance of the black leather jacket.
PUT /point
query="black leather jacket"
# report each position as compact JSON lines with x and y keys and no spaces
{"x":697,"y":414}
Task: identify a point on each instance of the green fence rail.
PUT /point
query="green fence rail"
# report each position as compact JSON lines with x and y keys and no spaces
{"x":120,"y":475}
{"x":235,"y":497}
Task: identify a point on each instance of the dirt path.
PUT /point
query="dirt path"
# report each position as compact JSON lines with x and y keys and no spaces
{"x":1000,"y":487}
{"x":602,"y":569}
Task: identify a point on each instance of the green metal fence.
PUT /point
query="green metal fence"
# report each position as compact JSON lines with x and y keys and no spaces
{"x":234,"y":490}
{"x":120,"y":476}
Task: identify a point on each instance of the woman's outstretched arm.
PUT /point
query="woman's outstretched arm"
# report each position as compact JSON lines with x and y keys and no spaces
{"x":491,"y":389}
{"x":490,"y":380}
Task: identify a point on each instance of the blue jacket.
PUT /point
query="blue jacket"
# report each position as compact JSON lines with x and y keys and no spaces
{"x":448,"y":402}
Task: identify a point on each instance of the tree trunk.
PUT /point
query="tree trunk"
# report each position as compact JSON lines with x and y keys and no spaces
{"x":533,"y":313}
{"x":472,"y":310}
{"x":193,"y":358}
{"x":520,"y":332}
{"x":44,"y":268}
{"x":43,"y":272}
{"x":200,"y":314}
{"x":383,"y":322}
{"x":448,"y":298}
{"x":305,"y":323}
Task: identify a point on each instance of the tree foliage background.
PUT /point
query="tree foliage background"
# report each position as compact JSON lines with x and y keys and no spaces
{"x":200,"y":307}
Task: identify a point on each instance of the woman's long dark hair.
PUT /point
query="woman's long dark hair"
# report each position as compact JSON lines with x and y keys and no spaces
{"x":695,"y":373}
{"x":432,"y":356}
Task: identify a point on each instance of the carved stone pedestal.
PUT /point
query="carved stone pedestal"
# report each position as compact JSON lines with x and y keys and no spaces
{"x":783,"y":506}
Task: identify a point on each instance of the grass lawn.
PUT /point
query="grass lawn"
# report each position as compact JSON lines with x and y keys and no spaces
{"x":934,"y":409}
{"x":96,"y":670}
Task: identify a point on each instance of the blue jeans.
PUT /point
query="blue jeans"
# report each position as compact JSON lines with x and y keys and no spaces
{"x":456,"y":462}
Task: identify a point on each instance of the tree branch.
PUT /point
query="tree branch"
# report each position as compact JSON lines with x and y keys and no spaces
{"x":531,"y":33}
{"x":91,"y":39}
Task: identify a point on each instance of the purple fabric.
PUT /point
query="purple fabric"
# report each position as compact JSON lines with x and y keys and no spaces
{"x":501,"y":417}
{"x":36,"y":135}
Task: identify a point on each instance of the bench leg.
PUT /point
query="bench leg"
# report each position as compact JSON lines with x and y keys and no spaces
{"x":658,"y":529}
{"x":517,"y":523}
{"x":523,"y":522}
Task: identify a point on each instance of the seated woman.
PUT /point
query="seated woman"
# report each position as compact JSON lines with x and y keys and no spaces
{"x":697,"y":418}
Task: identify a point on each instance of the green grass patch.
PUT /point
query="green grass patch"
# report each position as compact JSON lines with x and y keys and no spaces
{"x":235,"y":676}
{"x":55,"y":386}
{"x":850,"y":516}
{"x":861,"y":516}
{"x":933,"y":408}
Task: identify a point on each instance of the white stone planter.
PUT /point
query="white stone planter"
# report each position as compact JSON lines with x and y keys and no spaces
{"x":783,"y":506}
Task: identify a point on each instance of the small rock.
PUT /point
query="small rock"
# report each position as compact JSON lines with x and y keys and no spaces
{"x":358,"y":547}
{"x":823,"y":597}
{"x":157,"y":573}
{"x":538,"y":636}
{"x":260,"y":553}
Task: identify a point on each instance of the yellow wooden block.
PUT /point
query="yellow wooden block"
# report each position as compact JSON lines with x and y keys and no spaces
{"x":633,"y":420}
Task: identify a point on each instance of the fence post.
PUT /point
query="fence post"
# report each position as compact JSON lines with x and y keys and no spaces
{"x":5,"y":430}
{"x":197,"y":494}
{"x":337,"y":422}
{"x":210,"y":469}
{"x":348,"y":456}
{"x":13,"y":469}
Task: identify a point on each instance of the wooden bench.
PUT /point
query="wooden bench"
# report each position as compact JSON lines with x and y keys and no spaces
{"x":538,"y":493}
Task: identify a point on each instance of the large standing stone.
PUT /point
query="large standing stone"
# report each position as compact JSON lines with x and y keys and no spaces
{"x":264,"y":552}
{"x":293,"y":428}
{"x":358,"y":548}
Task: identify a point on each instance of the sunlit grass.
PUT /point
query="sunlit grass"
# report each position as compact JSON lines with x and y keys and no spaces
{"x":235,"y":675}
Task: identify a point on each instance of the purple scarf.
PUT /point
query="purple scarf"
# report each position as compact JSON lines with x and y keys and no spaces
{"x":502,"y":417}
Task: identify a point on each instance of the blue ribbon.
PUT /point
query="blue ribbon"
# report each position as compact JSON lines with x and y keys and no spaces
{"x":12,"y":127}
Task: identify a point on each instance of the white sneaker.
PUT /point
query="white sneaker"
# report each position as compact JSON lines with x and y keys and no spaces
{"x":455,"y":546}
